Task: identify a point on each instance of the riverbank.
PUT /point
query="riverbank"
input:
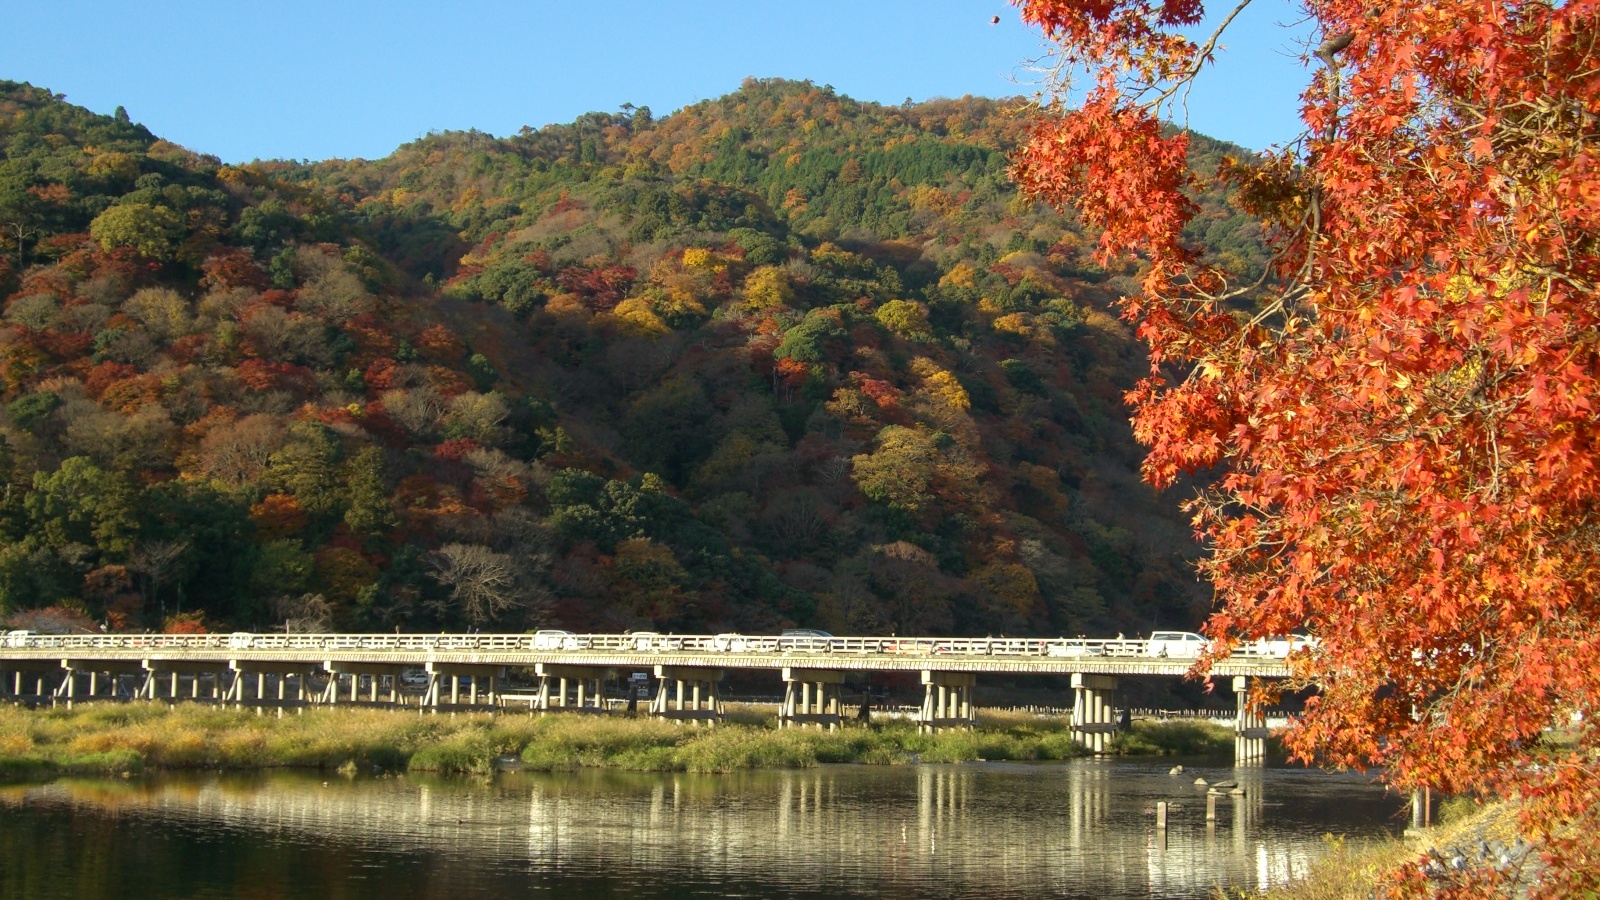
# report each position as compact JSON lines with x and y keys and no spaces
{"x":127,"y":738}
{"x":1467,"y":833}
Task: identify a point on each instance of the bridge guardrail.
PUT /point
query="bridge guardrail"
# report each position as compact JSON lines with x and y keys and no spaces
{"x":650,"y":642}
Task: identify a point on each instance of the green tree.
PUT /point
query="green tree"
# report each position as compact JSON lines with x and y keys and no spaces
{"x":307,"y":466}
{"x":371,"y":509}
{"x":75,"y":503}
{"x":899,"y":472}
{"x":905,"y":318}
{"x":153,"y":231}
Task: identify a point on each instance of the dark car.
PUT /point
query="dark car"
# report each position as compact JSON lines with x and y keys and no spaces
{"x":812,"y":640}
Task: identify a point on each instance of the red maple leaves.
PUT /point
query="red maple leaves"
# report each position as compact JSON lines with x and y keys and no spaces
{"x":1403,"y":413}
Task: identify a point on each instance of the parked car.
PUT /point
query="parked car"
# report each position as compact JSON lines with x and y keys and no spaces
{"x":1072,"y":647}
{"x":1182,"y":644}
{"x":812,"y":640}
{"x":412,"y":676}
{"x":654,"y":640}
{"x":557,"y":639}
{"x":1282,"y":645}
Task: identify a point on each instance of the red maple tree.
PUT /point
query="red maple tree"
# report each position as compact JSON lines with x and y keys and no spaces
{"x":1398,"y":420}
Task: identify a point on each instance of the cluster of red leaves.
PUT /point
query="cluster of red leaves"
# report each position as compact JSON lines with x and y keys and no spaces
{"x":602,"y":285}
{"x":455,"y":449}
{"x":262,"y":375}
{"x":1406,"y":419}
{"x":185,"y":623}
{"x":437,"y":343}
{"x":884,"y":394}
{"x":791,"y":374}
{"x":232,"y":267}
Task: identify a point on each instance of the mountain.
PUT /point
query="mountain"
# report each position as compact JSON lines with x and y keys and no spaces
{"x":779,"y":358}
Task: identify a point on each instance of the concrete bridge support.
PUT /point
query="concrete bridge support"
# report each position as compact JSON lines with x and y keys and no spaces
{"x":947,"y":701}
{"x":374,"y":672}
{"x":442,"y":673}
{"x":1094,"y":714}
{"x":1249,"y":727}
{"x":72,"y":681}
{"x":162,"y":680}
{"x":32,"y":681}
{"x":21,"y":679}
{"x":687,"y":694}
{"x":571,"y":688}
{"x":811,"y":697}
{"x":250,"y":676}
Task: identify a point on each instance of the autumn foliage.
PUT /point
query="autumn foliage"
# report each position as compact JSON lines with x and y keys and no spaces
{"x":599,"y":375}
{"x":1399,"y":422}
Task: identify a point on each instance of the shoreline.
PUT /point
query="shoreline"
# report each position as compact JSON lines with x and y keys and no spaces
{"x":125,"y":739}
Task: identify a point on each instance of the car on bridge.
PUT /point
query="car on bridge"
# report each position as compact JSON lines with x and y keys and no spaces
{"x":1280,"y":646}
{"x":1072,"y":648}
{"x":557,"y":639}
{"x":1180,"y":644}
{"x":811,"y":640}
{"x":654,"y":640}
{"x":18,"y":638}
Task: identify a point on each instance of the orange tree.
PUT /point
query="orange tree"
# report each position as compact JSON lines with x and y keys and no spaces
{"x":1397,"y":424}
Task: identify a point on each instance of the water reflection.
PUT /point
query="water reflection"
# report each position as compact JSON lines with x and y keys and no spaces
{"x":1083,"y":829}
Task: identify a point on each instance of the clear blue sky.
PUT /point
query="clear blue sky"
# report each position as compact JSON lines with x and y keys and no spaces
{"x":300,"y":80}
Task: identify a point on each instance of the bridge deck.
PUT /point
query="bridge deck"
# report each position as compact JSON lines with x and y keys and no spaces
{"x":1038,"y":656}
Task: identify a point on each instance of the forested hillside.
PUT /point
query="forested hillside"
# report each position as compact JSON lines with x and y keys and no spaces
{"x":779,"y":358}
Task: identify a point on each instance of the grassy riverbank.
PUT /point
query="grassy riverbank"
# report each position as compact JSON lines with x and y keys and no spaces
{"x":116,"y":739}
{"x":1353,"y":869}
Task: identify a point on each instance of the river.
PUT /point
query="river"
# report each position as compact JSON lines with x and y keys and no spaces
{"x":1084,"y":828}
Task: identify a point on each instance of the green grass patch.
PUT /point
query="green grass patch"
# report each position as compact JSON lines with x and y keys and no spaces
{"x":1181,"y":737}
{"x":26,"y":768}
{"x":130,"y":737}
{"x":569,"y":742}
{"x":113,"y":762}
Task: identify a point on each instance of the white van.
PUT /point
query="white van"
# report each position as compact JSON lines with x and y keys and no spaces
{"x":1179,"y":644}
{"x":557,"y":639}
{"x":1280,"y":646}
{"x":18,"y":638}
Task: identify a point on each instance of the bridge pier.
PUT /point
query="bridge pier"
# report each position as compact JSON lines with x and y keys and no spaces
{"x":946,"y":701}
{"x":1094,"y":714}
{"x":588,"y":680}
{"x":695,"y":698}
{"x":94,"y":668}
{"x":374,"y":671}
{"x":155,"y":668}
{"x":1249,"y":727}
{"x":437,"y":671}
{"x":38,"y":671}
{"x":242,"y":668}
{"x":811,"y":697}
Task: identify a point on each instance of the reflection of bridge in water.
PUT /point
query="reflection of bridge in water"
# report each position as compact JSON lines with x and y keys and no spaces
{"x":1081,"y":827}
{"x":576,"y":672}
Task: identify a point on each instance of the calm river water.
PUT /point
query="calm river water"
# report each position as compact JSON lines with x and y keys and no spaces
{"x":989,"y":830}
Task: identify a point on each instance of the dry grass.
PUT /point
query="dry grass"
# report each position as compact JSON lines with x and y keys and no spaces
{"x":1352,"y":869}
{"x":128,"y":737}
{"x":1348,"y":871}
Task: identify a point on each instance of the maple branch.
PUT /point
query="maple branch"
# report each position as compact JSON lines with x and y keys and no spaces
{"x":1328,"y":52}
{"x":1204,"y":52}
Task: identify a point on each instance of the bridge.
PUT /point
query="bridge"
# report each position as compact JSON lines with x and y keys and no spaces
{"x":573,"y":670}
